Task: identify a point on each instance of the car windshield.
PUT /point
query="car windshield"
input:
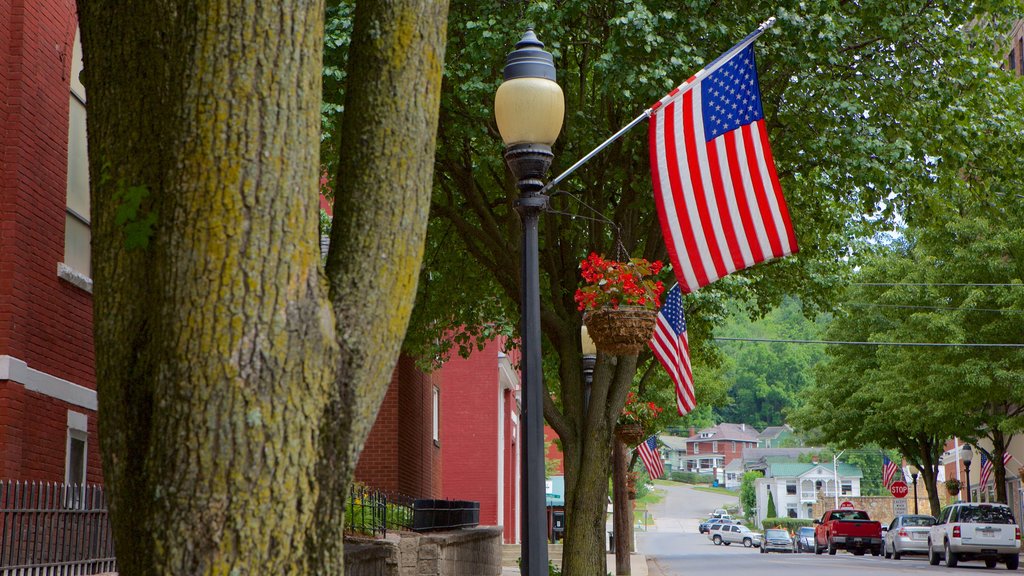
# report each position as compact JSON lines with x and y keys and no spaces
{"x":918,"y":521}
{"x":850,"y":515}
{"x":773,"y":533}
{"x":806,"y":531}
{"x":986,"y":515}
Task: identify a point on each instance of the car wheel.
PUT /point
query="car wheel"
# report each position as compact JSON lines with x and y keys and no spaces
{"x":747,"y":543}
{"x":817,"y":549}
{"x":717,"y":540}
{"x":831,"y":547}
{"x":952,"y":558}
{"x":991,"y":562}
{"x":727,"y":543}
{"x":885,"y":552}
{"x":896,"y":554}
{"x":1012,"y":562}
{"x":763,"y":551}
{"x":933,"y":558}
{"x":876,"y":551}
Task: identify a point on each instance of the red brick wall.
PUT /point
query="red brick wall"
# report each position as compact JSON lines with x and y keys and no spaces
{"x":44,"y":321}
{"x":552,"y":452}
{"x":400,"y":454}
{"x":469,"y":430}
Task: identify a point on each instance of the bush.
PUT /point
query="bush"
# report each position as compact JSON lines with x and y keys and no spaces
{"x":788,"y":524}
{"x":692,"y":478}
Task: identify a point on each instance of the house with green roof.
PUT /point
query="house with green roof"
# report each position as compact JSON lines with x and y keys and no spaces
{"x":794,"y":486}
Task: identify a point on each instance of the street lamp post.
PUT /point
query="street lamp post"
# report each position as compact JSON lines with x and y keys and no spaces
{"x":529,"y":108}
{"x":966,"y":454}
{"x":913,"y":475}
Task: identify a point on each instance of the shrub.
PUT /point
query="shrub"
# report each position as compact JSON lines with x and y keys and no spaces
{"x":788,"y":524}
{"x":691,"y":477}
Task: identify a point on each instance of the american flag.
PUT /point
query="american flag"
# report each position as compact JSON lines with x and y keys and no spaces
{"x":715,"y":185}
{"x":672,"y":348}
{"x":986,"y":467}
{"x":648,"y":451}
{"x":888,"y":471}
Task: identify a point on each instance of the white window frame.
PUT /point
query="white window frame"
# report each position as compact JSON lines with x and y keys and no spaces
{"x":436,"y":409}
{"x":714,"y":447}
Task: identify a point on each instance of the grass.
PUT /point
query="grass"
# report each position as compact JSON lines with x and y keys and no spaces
{"x":718,"y":490}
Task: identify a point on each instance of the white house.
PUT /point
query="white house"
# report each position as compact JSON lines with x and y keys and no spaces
{"x":673,"y":453}
{"x":794,"y":486}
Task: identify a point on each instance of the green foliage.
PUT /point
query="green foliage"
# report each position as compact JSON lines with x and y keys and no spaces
{"x":134,"y":216}
{"x":767,"y":380}
{"x":748,"y":494}
{"x":771,"y":513}
{"x":692,"y":478}
{"x":786,"y":523}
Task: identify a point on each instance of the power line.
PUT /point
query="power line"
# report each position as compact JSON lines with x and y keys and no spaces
{"x":852,"y":343}
{"x":945,"y":284}
{"x":922,"y":307}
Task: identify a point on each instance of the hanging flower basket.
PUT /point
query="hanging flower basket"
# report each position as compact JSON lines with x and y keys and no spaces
{"x":621,"y":331}
{"x":630,"y":434}
{"x":953,"y":486}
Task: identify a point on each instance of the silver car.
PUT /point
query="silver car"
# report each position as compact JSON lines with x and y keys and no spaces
{"x":907,"y":534}
{"x":735,"y":533}
{"x":777,"y":540}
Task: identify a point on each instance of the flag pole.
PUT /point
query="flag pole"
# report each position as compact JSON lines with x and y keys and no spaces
{"x":647,"y":113}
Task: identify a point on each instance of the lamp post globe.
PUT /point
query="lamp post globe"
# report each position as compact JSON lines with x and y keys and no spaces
{"x":529,"y":108}
{"x":966,"y":454}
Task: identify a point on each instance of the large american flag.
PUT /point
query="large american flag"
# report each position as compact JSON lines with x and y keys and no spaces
{"x":672,"y":348}
{"x":715,"y":185}
{"x":888,"y":471}
{"x":648,"y":451}
{"x":986,"y":468}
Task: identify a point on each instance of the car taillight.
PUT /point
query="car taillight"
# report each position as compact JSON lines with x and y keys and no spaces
{"x":1016,"y":532}
{"x":956,"y":531}
{"x":902,"y":532}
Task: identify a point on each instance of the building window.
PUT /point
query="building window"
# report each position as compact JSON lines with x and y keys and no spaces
{"x":791,"y":488}
{"x":714,"y":447}
{"x":78,"y":223}
{"x":437,"y":415}
{"x":791,"y":510}
{"x":847,"y":488}
{"x":75,"y":459}
{"x":696,"y":448}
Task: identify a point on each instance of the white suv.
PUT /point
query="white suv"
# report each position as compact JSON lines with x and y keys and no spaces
{"x":975,"y":531}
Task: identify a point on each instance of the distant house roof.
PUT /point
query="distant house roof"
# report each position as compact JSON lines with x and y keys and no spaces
{"x":798,"y":469}
{"x":759,"y":454}
{"x":773,"y":432}
{"x":734,"y":466}
{"x":726,"y":431}
{"x":673,"y":442}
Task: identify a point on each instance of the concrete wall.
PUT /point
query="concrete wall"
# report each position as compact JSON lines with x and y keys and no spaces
{"x":476,"y":551}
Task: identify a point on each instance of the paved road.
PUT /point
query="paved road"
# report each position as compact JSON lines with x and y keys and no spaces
{"x":675,"y":548}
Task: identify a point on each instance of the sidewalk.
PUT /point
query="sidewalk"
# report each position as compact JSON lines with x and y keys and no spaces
{"x":637,"y":564}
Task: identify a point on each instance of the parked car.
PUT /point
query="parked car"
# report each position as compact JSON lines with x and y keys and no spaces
{"x":735,"y":534}
{"x":804,"y":540}
{"x":907,"y":534}
{"x":720,"y":513}
{"x":847,"y":529}
{"x":706,"y":525}
{"x":975,"y":531}
{"x":776,"y":540}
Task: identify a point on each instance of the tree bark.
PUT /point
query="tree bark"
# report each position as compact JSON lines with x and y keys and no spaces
{"x":621,"y":510}
{"x":218,"y":348}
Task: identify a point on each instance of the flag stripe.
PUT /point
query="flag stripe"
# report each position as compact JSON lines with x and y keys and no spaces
{"x":669,"y":223}
{"x":741,"y":257}
{"x":668,"y":196}
{"x":711,"y":257}
{"x":720,"y":220}
{"x":780,"y":202}
{"x":672,"y":348}
{"x":648,"y":451}
{"x":755,"y":181}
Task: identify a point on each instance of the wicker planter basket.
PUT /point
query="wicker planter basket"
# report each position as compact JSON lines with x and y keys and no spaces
{"x":630,"y":434}
{"x":621,"y":331}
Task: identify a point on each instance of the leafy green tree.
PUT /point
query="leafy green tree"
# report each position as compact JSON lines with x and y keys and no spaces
{"x":237,"y":377}
{"x":748,"y":493}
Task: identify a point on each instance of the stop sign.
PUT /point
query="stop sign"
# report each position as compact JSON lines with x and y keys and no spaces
{"x":847,"y":505}
{"x":899,"y":489}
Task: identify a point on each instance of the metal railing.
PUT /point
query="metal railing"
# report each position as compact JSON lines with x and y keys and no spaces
{"x":54,"y":530}
{"x":374,"y":512}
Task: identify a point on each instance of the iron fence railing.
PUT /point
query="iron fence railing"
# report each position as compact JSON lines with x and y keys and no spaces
{"x":374,"y":512}
{"x":54,"y":530}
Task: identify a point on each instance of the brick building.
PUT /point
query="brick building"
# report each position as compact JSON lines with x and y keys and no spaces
{"x":710,"y":450}
{"x":48,"y":425}
{"x":451,"y":434}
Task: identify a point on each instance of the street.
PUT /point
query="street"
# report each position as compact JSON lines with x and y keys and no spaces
{"x":674,"y":546}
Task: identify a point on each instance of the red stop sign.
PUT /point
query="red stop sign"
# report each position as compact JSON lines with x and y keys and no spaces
{"x":847,"y":505}
{"x":899,"y":489}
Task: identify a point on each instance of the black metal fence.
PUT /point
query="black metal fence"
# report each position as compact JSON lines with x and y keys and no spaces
{"x":374,"y":512}
{"x":54,"y":530}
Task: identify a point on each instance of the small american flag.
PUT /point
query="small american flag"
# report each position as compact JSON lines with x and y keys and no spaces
{"x":648,"y":451}
{"x":888,"y":471}
{"x":715,"y":185}
{"x":986,"y":467}
{"x":672,"y":348}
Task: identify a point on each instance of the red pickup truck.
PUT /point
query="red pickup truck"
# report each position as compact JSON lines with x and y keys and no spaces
{"x":846,"y":529}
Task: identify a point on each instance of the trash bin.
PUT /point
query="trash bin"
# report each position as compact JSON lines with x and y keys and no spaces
{"x":715,"y":483}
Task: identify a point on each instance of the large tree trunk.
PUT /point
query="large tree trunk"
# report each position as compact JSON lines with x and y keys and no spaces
{"x":622,"y":512}
{"x":587,"y":467}
{"x":217,"y":347}
{"x":390,"y":125}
